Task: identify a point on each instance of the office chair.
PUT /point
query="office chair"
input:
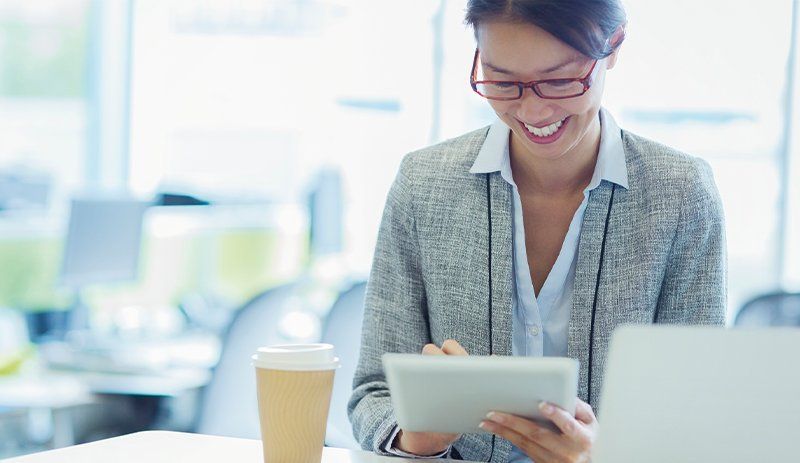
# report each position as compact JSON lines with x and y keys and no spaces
{"x":774,"y":309}
{"x":229,"y":406}
{"x":342,"y":328}
{"x":14,"y":425}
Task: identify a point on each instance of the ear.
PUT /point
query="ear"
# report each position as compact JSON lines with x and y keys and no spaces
{"x":615,"y":41}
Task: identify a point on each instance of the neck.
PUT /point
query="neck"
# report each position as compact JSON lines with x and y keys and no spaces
{"x":566,"y":175}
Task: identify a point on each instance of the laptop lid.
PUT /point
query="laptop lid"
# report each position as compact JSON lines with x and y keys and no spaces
{"x":698,"y":394}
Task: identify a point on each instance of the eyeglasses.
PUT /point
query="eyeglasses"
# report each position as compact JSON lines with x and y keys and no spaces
{"x":550,"y":89}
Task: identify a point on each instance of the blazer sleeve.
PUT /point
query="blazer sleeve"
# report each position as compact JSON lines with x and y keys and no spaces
{"x":694,"y":290}
{"x":395,"y":315}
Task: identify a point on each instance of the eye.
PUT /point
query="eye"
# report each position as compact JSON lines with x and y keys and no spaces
{"x":560,"y":83}
{"x":504,"y":85}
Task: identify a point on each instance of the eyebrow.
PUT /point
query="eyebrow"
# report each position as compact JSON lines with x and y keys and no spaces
{"x":549,"y":70}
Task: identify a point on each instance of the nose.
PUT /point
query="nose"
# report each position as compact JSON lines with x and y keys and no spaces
{"x":533,"y":109}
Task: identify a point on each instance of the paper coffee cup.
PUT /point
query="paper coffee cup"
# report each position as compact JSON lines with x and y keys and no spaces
{"x":294,"y":384}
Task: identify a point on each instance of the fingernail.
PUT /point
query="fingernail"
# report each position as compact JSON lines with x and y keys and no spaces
{"x":496,"y":417}
{"x":546,"y":408}
{"x":482,"y":425}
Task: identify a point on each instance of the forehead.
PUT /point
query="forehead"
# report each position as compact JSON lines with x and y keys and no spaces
{"x":522,"y":48}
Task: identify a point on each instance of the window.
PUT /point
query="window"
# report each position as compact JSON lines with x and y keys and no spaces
{"x":43,"y":120}
{"x":711,"y":83}
{"x":43,"y":61}
{"x":249,"y":100}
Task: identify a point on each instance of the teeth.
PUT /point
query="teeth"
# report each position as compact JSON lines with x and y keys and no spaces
{"x":545,"y":131}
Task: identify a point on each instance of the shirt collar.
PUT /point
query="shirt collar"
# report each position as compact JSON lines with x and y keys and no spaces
{"x":494,"y":150}
{"x":494,"y":156}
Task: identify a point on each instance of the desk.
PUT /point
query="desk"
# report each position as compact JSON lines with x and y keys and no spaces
{"x":169,"y":447}
{"x":57,"y":393}
{"x":63,"y":388}
{"x":53,"y":396}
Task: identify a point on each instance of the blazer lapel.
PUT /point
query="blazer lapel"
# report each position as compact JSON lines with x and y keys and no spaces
{"x":478,"y":446}
{"x":586,"y":269}
{"x":502,"y":262}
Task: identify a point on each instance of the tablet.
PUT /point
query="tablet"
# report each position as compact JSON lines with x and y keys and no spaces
{"x":453,"y":394}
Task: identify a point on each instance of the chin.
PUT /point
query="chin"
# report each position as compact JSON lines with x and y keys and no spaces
{"x":549,"y":152}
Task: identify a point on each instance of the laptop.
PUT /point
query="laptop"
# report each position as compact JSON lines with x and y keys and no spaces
{"x":698,"y":394}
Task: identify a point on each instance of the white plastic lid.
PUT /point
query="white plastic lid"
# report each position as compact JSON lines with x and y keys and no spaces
{"x":296,"y":357}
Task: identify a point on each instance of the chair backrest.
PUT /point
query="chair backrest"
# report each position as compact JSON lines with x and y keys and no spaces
{"x":229,"y":406}
{"x":342,"y":328}
{"x":774,"y":309}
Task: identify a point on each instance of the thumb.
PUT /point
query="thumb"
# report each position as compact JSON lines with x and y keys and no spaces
{"x":431,"y":349}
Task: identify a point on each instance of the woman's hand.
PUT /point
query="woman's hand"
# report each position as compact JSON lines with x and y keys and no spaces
{"x":573,"y":444}
{"x":430,"y":443}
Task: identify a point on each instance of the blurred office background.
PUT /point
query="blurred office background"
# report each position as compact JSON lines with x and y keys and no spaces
{"x":174,"y":173}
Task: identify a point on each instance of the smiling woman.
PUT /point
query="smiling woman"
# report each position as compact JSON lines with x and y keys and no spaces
{"x":537,"y":235}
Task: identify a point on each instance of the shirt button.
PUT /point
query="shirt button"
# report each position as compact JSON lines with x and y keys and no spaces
{"x":534,"y":330}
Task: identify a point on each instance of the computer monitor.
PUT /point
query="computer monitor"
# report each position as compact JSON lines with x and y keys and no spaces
{"x":103,"y":241}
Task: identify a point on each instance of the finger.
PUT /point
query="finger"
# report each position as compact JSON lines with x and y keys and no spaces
{"x":452,"y":347}
{"x":532,"y":431}
{"x":431,"y":349}
{"x":565,"y":422}
{"x":533,"y":449}
{"x":584,"y":412}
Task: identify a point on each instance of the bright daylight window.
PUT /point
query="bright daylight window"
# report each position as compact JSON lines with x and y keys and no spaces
{"x":702,"y":77}
{"x":249,"y":99}
{"x":43,"y":120}
{"x":43,"y":60}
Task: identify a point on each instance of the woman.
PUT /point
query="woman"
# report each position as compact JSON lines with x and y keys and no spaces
{"x":537,"y":235}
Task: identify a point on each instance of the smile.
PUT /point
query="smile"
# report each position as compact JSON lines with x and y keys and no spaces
{"x":546,"y":134}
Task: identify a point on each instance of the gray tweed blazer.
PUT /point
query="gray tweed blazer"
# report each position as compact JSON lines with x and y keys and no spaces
{"x":664,"y":263}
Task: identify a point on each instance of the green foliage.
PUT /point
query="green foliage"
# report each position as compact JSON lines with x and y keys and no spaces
{"x":43,"y":60}
{"x":246,"y":262}
{"x":28,"y":272}
{"x":235,"y":264}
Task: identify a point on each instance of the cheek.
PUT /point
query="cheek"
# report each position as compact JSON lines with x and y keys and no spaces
{"x":500,"y":107}
{"x":595,"y":93}
{"x":580,"y":106}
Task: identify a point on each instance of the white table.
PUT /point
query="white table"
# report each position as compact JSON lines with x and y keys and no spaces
{"x":51,"y":396}
{"x":42,"y":390}
{"x":55,"y":393}
{"x":171,"y":447}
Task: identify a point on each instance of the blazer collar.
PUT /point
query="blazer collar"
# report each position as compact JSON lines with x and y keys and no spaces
{"x":494,"y":156}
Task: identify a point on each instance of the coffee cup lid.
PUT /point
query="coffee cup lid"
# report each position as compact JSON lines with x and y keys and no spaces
{"x":297,"y":357}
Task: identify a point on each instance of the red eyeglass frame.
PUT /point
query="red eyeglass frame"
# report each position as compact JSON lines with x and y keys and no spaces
{"x":585,"y":81}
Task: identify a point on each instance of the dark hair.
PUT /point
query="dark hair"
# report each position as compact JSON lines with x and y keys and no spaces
{"x":585,"y":25}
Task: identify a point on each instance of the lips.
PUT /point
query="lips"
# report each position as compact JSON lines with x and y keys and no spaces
{"x":545,"y":130}
{"x":546,"y":134}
